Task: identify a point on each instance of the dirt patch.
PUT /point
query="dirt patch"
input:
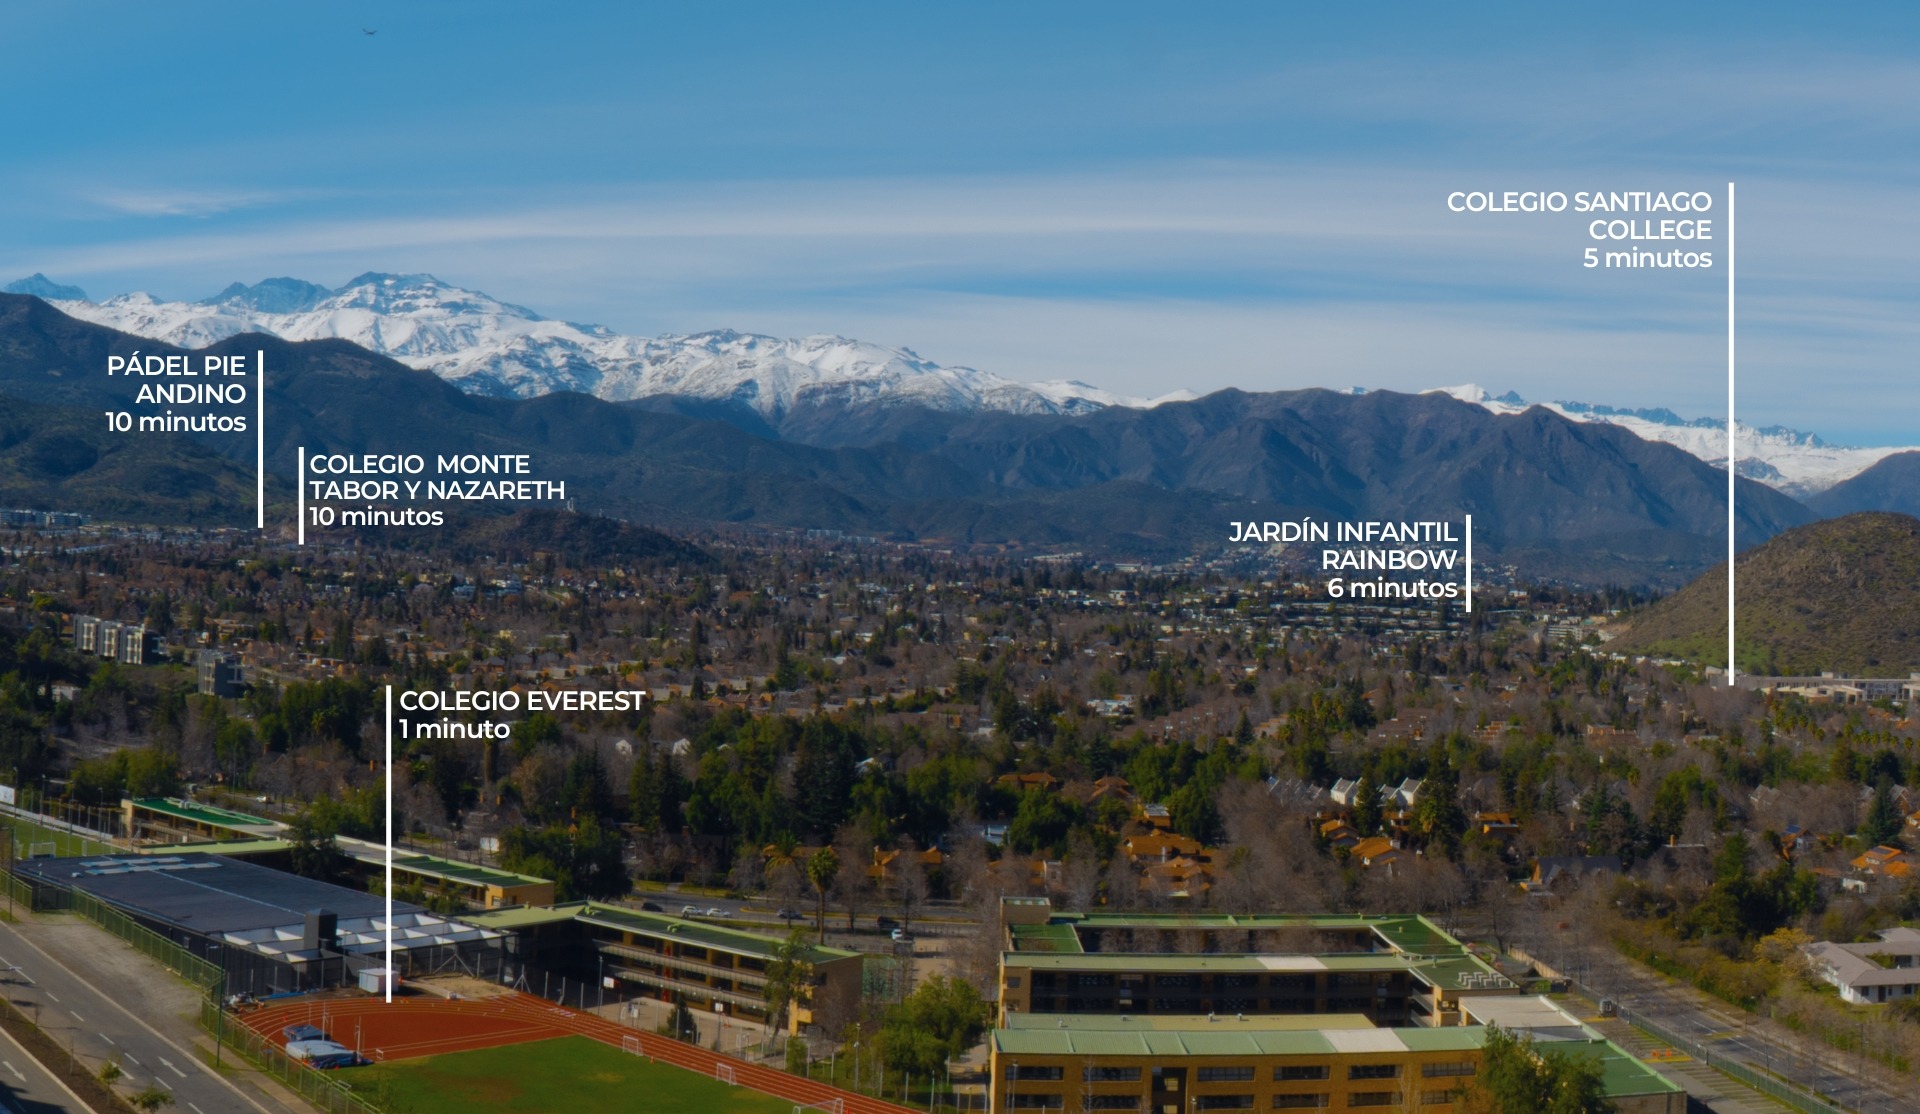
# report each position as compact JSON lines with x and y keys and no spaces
{"x":458,"y":986}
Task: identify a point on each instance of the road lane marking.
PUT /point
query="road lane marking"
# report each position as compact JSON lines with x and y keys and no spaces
{"x":53,"y":996}
{"x":171,"y":1068}
{"x":78,"y":1018}
{"x":108,"y":1039}
{"x":12,"y":933}
{"x":14,"y":1070}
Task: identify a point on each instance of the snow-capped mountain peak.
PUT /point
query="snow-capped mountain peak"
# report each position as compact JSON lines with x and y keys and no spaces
{"x":274,"y":295}
{"x":488,"y":346}
{"x":1793,"y":461}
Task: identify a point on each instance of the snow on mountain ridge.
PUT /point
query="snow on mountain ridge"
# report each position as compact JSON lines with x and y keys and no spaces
{"x":493,"y":347}
{"x":488,"y":346}
{"x":1797,"y":463}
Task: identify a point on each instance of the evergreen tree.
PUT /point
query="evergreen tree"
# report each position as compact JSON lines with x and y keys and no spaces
{"x":1518,"y":1077}
{"x":1884,"y":822}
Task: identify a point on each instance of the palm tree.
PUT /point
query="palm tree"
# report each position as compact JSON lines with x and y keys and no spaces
{"x":779,"y":854}
{"x":822,"y":867}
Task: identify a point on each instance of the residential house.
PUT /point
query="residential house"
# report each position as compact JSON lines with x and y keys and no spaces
{"x":1884,"y":862}
{"x":1376,"y":851}
{"x":1879,"y":971}
{"x":1550,"y":869}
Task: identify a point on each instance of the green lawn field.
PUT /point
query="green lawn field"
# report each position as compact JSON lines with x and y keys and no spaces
{"x":31,"y":837}
{"x":565,"y":1074}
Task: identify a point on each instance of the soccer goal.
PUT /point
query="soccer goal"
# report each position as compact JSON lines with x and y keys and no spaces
{"x":632,"y":1044}
{"x":724,"y":1073}
{"x":831,"y":1106}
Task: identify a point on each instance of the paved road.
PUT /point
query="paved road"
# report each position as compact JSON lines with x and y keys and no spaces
{"x":97,"y":1029}
{"x":28,"y":1088}
{"x":1714,"y":1090}
{"x":1730,"y":1032}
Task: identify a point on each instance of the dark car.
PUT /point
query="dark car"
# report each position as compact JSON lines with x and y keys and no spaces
{"x":651,"y":907}
{"x":885,"y":922}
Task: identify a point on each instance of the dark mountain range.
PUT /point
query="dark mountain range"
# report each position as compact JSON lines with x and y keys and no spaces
{"x":1892,"y":484}
{"x":1583,"y":500}
{"x":577,"y":540}
{"x":63,"y":458}
{"x":1837,"y":595}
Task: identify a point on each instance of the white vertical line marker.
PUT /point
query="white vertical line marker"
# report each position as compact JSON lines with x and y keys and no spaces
{"x":1469,"y":564}
{"x":1731,"y":448}
{"x":300,"y":500}
{"x":389,"y":964}
{"x":260,"y":439}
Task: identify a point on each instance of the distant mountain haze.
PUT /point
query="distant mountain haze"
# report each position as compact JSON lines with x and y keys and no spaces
{"x":1893,"y":484}
{"x":491,"y":347}
{"x":1558,"y":497}
{"x":825,"y":390}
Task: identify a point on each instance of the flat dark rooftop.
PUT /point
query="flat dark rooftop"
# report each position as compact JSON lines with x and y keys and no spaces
{"x":207,"y":894}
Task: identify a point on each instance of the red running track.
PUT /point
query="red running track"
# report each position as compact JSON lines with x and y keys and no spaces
{"x":435,"y":1026}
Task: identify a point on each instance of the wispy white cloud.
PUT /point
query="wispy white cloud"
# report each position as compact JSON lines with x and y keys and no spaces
{"x":186,"y":202}
{"x":1199,"y":274}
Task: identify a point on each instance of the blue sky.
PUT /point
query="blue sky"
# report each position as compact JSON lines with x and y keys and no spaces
{"x":1140,"y":196}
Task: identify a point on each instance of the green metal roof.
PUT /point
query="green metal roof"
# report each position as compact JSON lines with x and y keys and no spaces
{"x":1047,"y":1034}
{"x":1621,"y":1073}
{"x":1179,"y":1022}
{"x":433,"y":866}
{"x":1210,"y":962}
{"x":732,"y":940}
{"x":527,"y":916}
{"x":1224,"y":1038}
{"x":1217,"y":920}
{"x":220,"y":847}
{"x":1417,"y":945}
{"x":1044,"y":938}
{"x":471,"y":873}
{"x":204,"y":814}
{"x":707,"y":935}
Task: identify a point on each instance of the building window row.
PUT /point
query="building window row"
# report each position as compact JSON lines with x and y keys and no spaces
{"x":1449,"y":1069}
{"x":1225,"y":1075}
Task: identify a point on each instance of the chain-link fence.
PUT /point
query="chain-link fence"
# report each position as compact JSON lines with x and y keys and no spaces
{"x":1759,"y":1081}
{"x":196,"y":971}
{"x":328,"y":1091}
